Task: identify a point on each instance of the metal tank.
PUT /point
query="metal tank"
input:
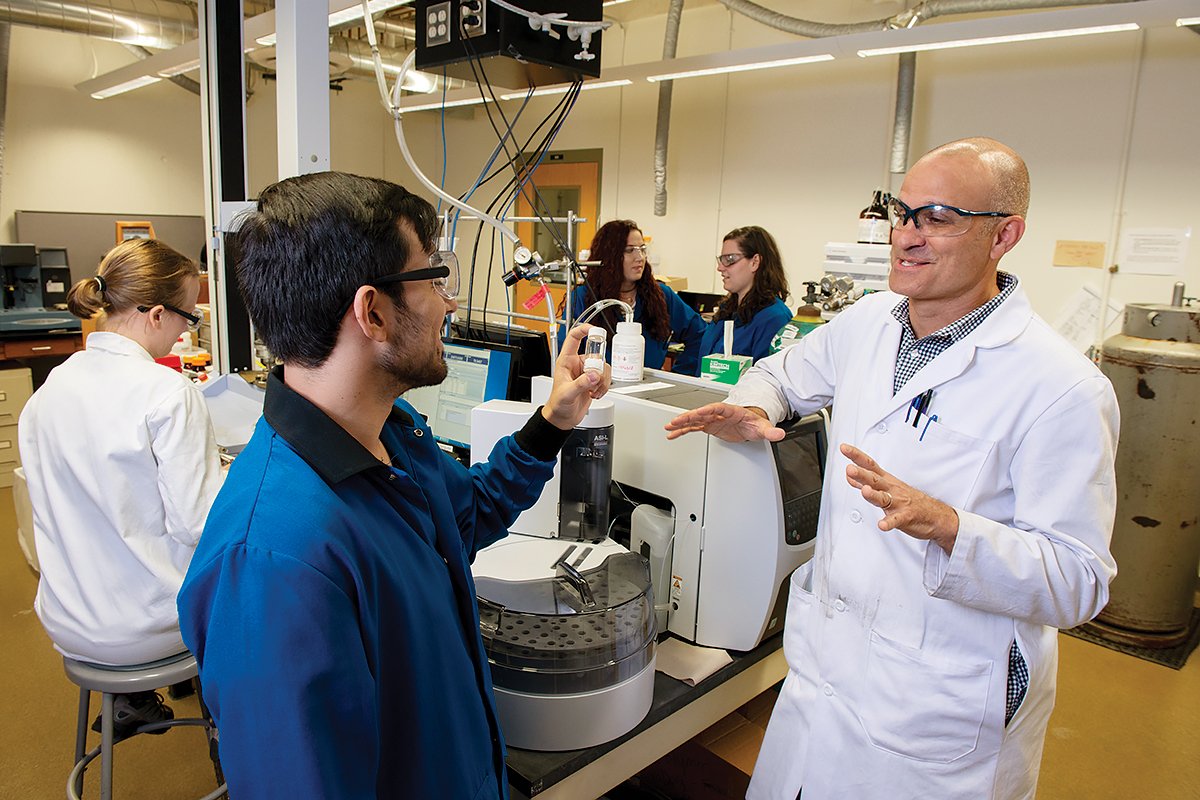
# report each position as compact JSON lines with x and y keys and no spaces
{"x":1154,"y":366}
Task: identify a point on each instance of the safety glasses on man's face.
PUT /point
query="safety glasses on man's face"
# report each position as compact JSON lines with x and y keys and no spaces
{"x":442,"y":270}
{"x":935,"y":220}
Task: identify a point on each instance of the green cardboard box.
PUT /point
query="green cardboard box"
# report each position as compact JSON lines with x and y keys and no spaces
{"x":724,"y":369}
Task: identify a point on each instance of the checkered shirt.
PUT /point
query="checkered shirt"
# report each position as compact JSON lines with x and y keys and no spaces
{"x":914,"y":354}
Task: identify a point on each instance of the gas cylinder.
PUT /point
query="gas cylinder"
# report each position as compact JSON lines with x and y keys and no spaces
{"x":1154,"y":366}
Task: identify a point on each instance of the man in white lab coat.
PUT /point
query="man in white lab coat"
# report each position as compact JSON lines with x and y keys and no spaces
{"x":967,"y":509}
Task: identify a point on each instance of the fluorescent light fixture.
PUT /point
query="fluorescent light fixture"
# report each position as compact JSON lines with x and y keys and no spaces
{"x":127,"y":86}
{"x":470,"y":101}
{"x":1016,"y":37}
{"x":563,"y":89}
{"x":696,"y":73}
{"x":1184,"y":22}
{"x":608,"y":3}
{"x":348,"y":14}
{"x":179,"y":69}
{"x":355,"y":11}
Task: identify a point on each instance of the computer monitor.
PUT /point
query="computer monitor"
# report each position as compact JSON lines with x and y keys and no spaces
{"x":532,"y":355}
{"x":702,"y":302}
{"x":475,"y":373}
{"x":52,"y":257}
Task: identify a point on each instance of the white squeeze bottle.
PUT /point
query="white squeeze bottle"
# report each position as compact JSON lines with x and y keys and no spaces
{"x":628,"y":352}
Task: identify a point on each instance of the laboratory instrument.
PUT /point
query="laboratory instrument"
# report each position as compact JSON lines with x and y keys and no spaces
{"x":566,"y":614}
{"x":743,"y":516}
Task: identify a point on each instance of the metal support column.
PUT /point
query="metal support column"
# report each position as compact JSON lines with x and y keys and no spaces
{"x":302,"y":99}
{"x":223,"y":109}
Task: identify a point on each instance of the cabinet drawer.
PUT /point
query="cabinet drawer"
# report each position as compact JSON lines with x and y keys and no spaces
{"x":50,"y":346}
{"x":10,"y":457}
{"x":16,"y":386}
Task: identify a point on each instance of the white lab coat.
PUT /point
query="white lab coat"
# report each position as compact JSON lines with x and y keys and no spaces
{"x":897,"y":653}
{"x":122,"y":468}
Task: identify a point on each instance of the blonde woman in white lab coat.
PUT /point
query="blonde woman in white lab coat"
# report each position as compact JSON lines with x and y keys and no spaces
{"x":966,"y":516}
{"x":122,"y":467}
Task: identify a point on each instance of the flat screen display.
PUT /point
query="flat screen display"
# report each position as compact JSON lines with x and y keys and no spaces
{"x":474,"y":374}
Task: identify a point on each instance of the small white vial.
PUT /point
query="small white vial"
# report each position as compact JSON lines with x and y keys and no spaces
{"x":593,"y":349}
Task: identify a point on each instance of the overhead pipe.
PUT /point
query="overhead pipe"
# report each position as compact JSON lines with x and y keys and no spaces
{"x":663,"y":129}
{"x":129,"y":22}
{"x":906,"y":79}
{"x":905,"y":19}
{"x":122,"y":21}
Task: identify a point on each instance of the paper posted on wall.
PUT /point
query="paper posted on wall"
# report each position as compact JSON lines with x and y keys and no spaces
{"x":1077,"y":319}
{"x":1154,"y":251}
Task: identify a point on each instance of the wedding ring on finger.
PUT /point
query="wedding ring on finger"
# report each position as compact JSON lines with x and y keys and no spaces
{"x":888,"y":501}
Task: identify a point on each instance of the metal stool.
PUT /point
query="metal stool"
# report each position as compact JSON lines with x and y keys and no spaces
{"x":110,"y":681}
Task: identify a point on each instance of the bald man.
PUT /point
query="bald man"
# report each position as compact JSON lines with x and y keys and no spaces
{"x":967,"y":508}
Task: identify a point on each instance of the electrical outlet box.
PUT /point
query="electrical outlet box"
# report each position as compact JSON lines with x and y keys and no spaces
{"x":502,"y":45}
{"x":472,"y":15}
{"x":437,"y":23}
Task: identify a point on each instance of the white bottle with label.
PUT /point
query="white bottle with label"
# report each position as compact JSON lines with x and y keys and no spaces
{"x":628,"y":352}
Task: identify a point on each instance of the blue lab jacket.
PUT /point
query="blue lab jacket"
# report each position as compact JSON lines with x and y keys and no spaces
{"x":751,"y":338}
{"x":686,"y":327}
{"x":331,"y":607}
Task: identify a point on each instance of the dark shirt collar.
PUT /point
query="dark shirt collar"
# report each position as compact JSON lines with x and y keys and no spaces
{"x":324,"y":445}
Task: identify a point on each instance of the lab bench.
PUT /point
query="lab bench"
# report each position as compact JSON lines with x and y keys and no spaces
{"x":677,"y":713}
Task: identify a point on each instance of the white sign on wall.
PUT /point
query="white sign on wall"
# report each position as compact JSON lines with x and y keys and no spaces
{"x":1154,"y":251}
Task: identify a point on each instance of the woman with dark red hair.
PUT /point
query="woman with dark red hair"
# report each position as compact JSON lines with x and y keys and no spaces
{"x":624,"y":274}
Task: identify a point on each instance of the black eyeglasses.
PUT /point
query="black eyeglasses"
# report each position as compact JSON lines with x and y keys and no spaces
{"x":935,"y":220}
{"x":442,"y":272}
{"x":193,"y":319}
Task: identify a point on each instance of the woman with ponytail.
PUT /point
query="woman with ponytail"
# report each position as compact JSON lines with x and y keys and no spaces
{"x":122,"y":467}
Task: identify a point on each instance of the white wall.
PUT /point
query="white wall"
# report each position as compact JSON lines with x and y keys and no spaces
{"x":796,"y":150}
{"x":63,"y":151}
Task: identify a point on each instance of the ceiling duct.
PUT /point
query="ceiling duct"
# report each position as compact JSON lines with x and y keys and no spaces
{"x":905,"y":19}
{"x":166,"y":24}
{"x":148,"y":23}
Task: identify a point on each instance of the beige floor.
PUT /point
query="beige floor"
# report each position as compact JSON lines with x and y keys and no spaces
{"x":1124,"y":728}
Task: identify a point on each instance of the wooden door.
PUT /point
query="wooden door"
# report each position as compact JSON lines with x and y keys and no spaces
{"x":563,"y":186}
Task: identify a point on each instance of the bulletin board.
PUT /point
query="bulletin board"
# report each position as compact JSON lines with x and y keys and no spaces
{"x":88,"y":237}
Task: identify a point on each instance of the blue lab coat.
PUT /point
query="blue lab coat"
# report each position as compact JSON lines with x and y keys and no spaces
{"x":331,"y":606}
{"x":751,"y":338}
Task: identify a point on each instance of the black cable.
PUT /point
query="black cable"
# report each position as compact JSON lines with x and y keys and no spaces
{"x":540,"y":207}
{"x":482,"y":80}
{"x":559,"y":114}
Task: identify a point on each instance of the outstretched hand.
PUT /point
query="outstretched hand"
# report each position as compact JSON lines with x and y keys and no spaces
{"x":574,"y":387}
{"x":725,"y":421}
{"x":904,"y":508}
